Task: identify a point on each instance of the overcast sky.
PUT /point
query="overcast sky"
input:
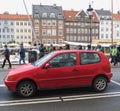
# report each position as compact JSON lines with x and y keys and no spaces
{"x":13,"y":6}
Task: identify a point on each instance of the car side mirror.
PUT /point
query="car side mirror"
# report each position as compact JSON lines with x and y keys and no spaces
{"x":47,"y":66}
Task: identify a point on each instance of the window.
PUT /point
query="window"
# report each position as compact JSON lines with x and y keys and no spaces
{"x":43,"y":41}
{"x":63,"y":60}
{"x":29,"y":30}
{"x":53,"y":22}
{"x":37,"y":32}
{"x":44,"y":15}
{"x":43,"y":32}
{"x":43,"y":22}
{"x":89,"y":58}
{"x":11,"y":23}
{"x":48,"y":22}
{"x":21,"y":30}
{"x":60,"y":32}
{"x":21,"y":23}
{"x":53,"y":41}
{"x":60,"y":16}
{"x":25,"y":23}
{"x":12,"y":30}
{"x":60,"y":41}
{"x":36,"y":22}
{"x":17,"y":30}
{"x":52,"y":15}
{"x":25,"y":30}
{"x":53,"y":32}
{"x":49,"y":41}
{"x":17,"y":23}
{"x":49,"y":32}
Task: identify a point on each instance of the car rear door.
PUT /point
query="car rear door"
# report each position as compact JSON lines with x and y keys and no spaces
{"x":89,"y":66}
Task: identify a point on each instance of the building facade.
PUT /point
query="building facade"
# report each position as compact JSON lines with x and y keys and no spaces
{"x":15,"y":28}
{"x":116,"y":27}
{"x":53,"y":25}
{"x":48,"y":24}
{"x":77,"y":26}
{"x":105,"y":26}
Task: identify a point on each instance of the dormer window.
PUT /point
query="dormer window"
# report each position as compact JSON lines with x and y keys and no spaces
{"x":36,"y":15}
{"x":60,"y":16}
{"x":52,"y":15}
{"x":44,"y":15}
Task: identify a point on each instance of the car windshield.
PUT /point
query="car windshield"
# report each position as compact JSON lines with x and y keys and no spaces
{"x":43,"y":59}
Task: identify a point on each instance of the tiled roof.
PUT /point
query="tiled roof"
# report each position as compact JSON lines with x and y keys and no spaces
{"x":13,"y":17}
{"x":95,"y":17}
{"x":103,"y":12}
{"x":116,"y":16}
{"x":69,"y":15}
{"x":40,"y":9}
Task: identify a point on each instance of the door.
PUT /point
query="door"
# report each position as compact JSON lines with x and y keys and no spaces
{"x":62,"y":72}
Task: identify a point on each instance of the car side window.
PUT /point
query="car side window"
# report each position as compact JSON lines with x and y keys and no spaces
{"x":89,"y":58}
{"x":63,"y":60}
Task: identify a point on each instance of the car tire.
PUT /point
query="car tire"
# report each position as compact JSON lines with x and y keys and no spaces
{"x":26,"y":89}
{"x":100,"y":84}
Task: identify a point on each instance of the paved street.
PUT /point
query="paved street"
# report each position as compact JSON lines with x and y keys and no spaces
{"x":73,"y":99}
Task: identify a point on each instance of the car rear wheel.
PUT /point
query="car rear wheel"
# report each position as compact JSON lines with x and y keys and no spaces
{"x":26,"y":89}
{"x":100,"y":84}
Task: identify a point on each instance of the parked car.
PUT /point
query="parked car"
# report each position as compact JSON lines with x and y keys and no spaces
{"x":61,"y":69}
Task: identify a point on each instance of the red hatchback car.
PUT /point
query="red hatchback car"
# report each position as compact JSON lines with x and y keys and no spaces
{"x":61,"y":69}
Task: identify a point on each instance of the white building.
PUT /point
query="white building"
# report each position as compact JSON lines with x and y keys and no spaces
{"x":15,"y":27}
{"x":105,"y":18}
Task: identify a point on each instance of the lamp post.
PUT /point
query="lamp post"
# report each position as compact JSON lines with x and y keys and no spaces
{"x":90,"y":10}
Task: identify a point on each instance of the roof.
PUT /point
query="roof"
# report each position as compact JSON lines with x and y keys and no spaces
{"x":74,"y":50}
{"x":70,"y":15}
{"x":39,"y":9}
{"x":13,"y":17}
{"x":103,"y":12}
{"x":116,"y":16}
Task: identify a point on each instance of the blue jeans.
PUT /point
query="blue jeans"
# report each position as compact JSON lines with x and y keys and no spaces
{"x":22,"y":59}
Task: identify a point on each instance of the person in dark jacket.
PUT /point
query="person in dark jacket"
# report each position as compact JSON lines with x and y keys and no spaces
{"x":22,"y":54}
{"x":42,"y":50}
{"x":7,"y":57}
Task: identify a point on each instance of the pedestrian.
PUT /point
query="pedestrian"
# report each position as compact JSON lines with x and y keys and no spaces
{"x":42,"y":50}
{"x":80,"y":47}
{"x":6,"y":57}
{"x":22,"y":54}
{"x":67,"y":47}
{"x":114,"y":55}
{"x":50,"y":48}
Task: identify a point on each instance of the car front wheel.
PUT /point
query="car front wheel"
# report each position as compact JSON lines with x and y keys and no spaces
{"x":100,"y":84}
{"x":26,"y":89}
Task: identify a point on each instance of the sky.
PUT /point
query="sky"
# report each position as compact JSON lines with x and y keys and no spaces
{"x":17,"y":6}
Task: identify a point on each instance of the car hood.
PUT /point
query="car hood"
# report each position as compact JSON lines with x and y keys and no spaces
{"x":22,"y":68}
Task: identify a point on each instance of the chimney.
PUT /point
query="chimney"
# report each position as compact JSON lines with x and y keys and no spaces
{"x":54,"y":5}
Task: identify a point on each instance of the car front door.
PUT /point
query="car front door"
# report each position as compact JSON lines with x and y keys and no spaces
{"x":62,"y":71}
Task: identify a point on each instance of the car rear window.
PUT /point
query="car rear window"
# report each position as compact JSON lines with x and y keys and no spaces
{"x":89,"y":58}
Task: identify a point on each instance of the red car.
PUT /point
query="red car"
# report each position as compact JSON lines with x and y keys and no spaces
{"x":60,"y":69}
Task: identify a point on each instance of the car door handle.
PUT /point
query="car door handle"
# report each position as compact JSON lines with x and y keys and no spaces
{"x":75,"y":70}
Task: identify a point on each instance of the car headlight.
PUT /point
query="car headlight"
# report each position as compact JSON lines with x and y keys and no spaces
{"x":9,"y":78}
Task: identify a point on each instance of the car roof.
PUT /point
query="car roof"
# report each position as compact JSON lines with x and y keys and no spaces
{"x":75,"y":50}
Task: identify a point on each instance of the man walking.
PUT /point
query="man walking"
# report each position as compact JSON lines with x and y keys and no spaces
{"x":114,"y":55}
{"x":7,"y":57}
{"x":22,"y":54}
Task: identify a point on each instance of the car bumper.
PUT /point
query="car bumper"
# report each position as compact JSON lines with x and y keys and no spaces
{"x":11,"y":85}
{"x":109,"y":76}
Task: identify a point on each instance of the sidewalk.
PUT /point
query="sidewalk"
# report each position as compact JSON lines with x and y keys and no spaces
{"x":7,"y":67}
